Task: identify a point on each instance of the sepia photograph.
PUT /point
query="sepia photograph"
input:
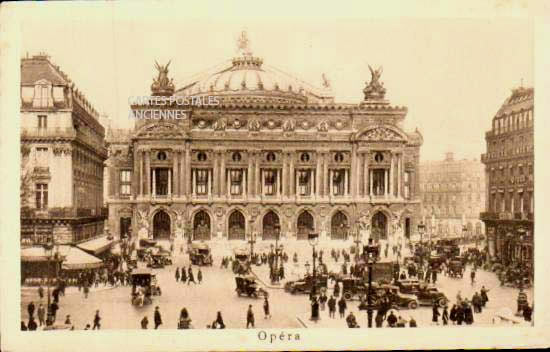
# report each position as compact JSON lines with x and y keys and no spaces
{"x":270,"y":176}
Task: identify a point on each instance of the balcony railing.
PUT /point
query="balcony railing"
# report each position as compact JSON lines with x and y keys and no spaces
{"x":67,"y":132}
{"x":66,"y":212}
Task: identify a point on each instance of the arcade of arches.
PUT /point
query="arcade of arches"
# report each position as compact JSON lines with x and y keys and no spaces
{"x":161,"y":225}
{"x":201,"y":226}
{"x":237,"y":228}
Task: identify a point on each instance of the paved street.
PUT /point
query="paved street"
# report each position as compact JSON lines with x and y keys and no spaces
{"x":217,"y":293}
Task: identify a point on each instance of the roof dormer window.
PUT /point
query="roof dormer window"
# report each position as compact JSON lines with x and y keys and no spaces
{"x":42,"y":94}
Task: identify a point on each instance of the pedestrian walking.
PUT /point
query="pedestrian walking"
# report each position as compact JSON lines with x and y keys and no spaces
{"x":199,"y":276}
{"x":392,"y":319}
{"x":314,"y":309}
{"x":40,"y":292}
{"x":86,"y":290}
{"x":249,"y":317}
{"x":191,"y":277}
{"x":445,"y":316}
{"x":468,"y":313}
{"x":434,"y":276}
{"x":323,"y":300}
{"x":452,"y":316}
{"x":336,"y":290}
{"x":23,"y":326}
{"x":459,"y":314}
{"x":484,"y":296}
{"x":412,"y":323}
{"x":41,"y":313}
{"x":68,"y":320}
{"x":144,"y":322}
{"x":379,"y":319}
{"x":157,"y":318}
{"x":332,"y":307}
{"x":342,"y":306}
{"x":218,"y":323}
{"x":97,"y":320}
{"x":177,"y":274}
{"x":183,"y":275}
{"x":435,"y":313}
{"x":30,"y":309}
{"x":267,"y":314}
{"x":53,"y":310}
{"x":473,"y":276}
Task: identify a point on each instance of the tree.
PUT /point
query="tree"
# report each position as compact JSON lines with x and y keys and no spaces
{"x":26,"y":178}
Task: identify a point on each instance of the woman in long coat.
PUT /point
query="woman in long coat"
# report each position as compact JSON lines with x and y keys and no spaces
{"x":445,"y":316}
{"x":468,"y":314}
{"x":435,"y":313}
{"x":452,"y":316}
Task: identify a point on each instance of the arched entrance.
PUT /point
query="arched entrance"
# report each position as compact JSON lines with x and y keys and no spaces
{"x":379,"y":226}
{"x":270,"y":226}
{"x":201,"y":226}
{"x":161,"y":225}
{"x":236,"y":226}
{"x":339,"y":226}
{"x":304,"y":225}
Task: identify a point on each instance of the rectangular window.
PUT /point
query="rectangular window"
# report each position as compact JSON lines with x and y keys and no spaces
{"x":41,"y":196}
{"x":304,"y":182}
{"x":270,"y":178}
{"x":42,"y":121}
{"x":338,"y":182}
{"x":202,"y":181}
{"x":236,"y":177}
{"x":125,"y":182}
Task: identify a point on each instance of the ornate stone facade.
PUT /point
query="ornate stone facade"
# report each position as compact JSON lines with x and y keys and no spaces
{"x":62,"y":154}
{"x":453,"y":195}
{"x":509,"y":164}
{"x":275,"y":156}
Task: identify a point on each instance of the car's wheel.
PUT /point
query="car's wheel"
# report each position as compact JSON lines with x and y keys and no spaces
{"x":348,"y":295}
{"x":412,"y":305}
{"x":442,"y":302}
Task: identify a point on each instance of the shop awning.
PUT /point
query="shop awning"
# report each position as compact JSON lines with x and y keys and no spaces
{"x":96,"y":245}
{"x":33,"y":254}
{"x":77,"y":259}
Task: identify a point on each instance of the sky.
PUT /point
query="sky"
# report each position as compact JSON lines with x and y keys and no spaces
{"x":452,"y":74}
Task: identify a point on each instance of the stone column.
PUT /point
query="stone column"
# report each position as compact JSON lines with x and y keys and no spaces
{"x":148,"y":172}
{"x":318,"y":176}
{"x":386,"y":182}
{"x":169,"y":182}
{"x":391,"y":174}
{"x":175,"y":173}
{"x":140,"y":172}
{"x":346,"y":181}
{"x":371,"y":176}
{"x":216,"y":176}
{"x":352,"y":179}
{"x":330,"y":180}
{"x":181,"y":173}
{"x":209,"y":182}
{"x":135,"y":175}
{"x":366,"y":189}
{"x":285,"y":174}
{"x":257,"y":180}
{"x":292,"y":186}
{"x":326,"y":177}
{"x":228,"y":183}
{"x":193,"y":184}
{"x":250,"y":188}
{"x":222,"y":176}
{"x":154,"y":192}
{"x":398,"y":175}
{"x":188,"y":172}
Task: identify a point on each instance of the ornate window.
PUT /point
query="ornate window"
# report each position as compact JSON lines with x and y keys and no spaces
{"x":42,"y":96}
{"x":378,"y":182}
{"x":270,"y":156}
{"x":339,"y":157}
{"x":304,"y":182}
{"x":125,"y":182}
{"x":304,"y":157}
{"x":236,"y":157}
{"x":161,"y":156}
{"x":202,"y":181}
{"x":236,"y":178}
{"x":201,"y":156}
{"x":270,"y":178}
{"x":338,"y":182}
{"x":407,"y":185}
{"x":41,"y":196}
{"x":378,"y":157}
{"x":42,"y":121}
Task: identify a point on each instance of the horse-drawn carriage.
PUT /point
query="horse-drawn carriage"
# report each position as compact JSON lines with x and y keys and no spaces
{"x":144,"y":286}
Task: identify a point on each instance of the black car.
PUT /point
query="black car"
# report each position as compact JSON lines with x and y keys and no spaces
{"x":425,"y":293}
{"x":306,"y":284}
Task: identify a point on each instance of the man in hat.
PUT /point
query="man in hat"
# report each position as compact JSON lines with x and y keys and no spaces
{"x":158,"y":318}
{"x":249,"y":317}
{"x":97,"y":320}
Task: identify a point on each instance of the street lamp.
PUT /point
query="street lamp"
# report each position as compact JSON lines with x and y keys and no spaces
{"x":521,"y":232}
{"x":252,"y":240}
{"x":275,"y":276}
{"x":421,"y":230}
{"x":51,"y":255}
{"x":371,"y":253}
{"x":313,"y":239}
{"x":464,"y":231}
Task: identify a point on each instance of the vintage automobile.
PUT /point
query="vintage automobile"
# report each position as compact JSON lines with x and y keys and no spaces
{"x":353,"y":287}
{"x":200,"y":254}
{"x":241,"y":264}
{"x":306,"y":284}
{"x":425,"y":293}
{"x":144,"y":286}
{"x":392,"y":293}
{"x":455,"y":268}
{"x":448,"y":248}
{"x":247,"y":286}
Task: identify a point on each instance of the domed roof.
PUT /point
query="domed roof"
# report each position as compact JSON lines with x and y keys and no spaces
{"x":246,"y":79}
